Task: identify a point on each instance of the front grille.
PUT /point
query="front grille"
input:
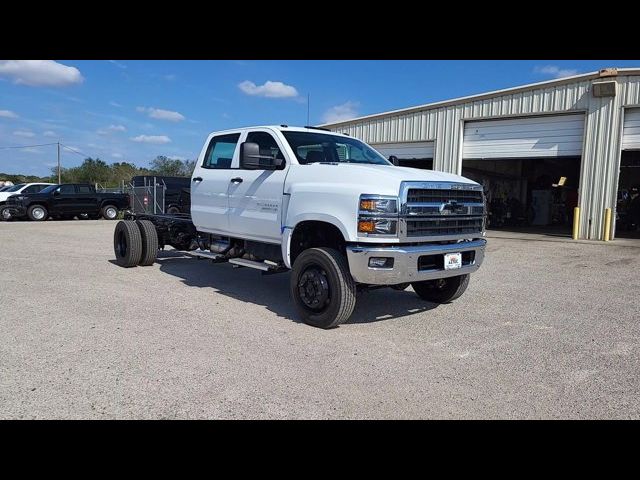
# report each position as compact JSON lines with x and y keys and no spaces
{"x":420,"y":195}
{"x":443,"y":226}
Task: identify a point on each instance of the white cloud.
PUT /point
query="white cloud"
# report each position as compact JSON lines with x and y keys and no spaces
{"x":339,"y":113}
{"x":111,"y":129}
{"x":49,"y":133}
{"x":118,"y":64}
{"x":8,"y":114}
{"x":24,"y":133}
{"x":269,"y":89}
{"x":160,"y":114}
{"x":116,"y":155}
{"x":40,"y":73}
{"x":115,"y":104}
{"x":155,"y":139}
{"x":555,"y":71}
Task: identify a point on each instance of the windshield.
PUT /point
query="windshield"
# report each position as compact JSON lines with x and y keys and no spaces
{"x":15,"y":188}
{"x":312,"y":147}
{"x":49,"y":189}
{"x":2,"y":189}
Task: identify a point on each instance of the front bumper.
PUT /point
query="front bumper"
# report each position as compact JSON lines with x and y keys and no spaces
{"x":406,"y":262}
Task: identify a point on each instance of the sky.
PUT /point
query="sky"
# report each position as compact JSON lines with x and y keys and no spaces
{"x":133,"y":111}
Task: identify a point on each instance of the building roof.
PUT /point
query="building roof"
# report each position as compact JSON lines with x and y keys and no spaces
{"x":495,"y":93}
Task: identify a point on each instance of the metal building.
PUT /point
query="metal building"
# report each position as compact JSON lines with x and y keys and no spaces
{"x":588,"y":125}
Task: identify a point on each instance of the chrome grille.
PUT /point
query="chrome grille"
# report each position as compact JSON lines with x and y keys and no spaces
{"x":441,"y":210}
{"x":443,"y":226}
{"x":421,"y":195}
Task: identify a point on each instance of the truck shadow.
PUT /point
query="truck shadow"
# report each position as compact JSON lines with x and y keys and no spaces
{"x":272,"y":291}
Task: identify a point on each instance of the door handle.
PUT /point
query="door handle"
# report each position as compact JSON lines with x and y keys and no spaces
{"x":197,"y":179}
{"x":236,"y":180}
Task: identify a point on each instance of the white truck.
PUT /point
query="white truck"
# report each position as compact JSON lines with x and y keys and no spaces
{"x":327,"y":207}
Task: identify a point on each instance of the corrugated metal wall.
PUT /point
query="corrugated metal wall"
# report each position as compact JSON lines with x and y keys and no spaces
{"x":445,"y":125}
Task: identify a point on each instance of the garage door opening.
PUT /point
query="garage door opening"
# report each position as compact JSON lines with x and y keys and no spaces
{"x":532,"y":195}
{"x":410,"y":154}
{"x":628,"y":201}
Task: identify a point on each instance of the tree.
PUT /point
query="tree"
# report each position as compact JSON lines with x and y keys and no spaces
{"x":172,"y":167}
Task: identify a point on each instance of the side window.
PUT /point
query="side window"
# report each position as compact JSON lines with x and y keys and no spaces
{"x":84,"y":189}
{"x":220,"y":151}
{"x":267,"y":144}
{"x":32,"y":189}
{"x":67,"y":189}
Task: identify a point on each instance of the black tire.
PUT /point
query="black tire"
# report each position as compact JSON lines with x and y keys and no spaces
{"x":109,"y":212}
{"x":400,"y":286}
{"x":37,"y":213}
{"x":173,"y":210}
{"x":127,"y":243}
{"x":149,"y":242}
{"x":321,"y":275}
{"x":442,"y":290}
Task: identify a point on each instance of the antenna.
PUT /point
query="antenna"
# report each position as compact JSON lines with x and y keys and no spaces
{"x":308,"y":99}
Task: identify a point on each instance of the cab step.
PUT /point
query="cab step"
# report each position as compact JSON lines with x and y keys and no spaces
{"x":216,"y":257}
{"x":243,"y":262}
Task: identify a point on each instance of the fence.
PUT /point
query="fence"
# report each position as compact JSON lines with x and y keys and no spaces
{"x":148,"y":198}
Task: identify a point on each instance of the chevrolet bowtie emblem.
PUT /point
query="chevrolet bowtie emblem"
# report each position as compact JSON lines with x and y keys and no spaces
{"x":451,"y":205}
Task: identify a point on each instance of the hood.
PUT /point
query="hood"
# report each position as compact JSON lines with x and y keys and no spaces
{"x":375,"y":179}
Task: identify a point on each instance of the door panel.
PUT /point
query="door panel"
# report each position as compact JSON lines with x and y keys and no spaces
{"x":210,"y":184}
{"x":255,"y":204}
{"x":64,"y":202}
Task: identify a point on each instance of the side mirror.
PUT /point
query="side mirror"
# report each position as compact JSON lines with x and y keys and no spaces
{"x":395,"y":160}
{"x":56,"y":193}
{"x":251,"y":159}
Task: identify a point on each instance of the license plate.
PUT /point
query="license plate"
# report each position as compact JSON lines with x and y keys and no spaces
{"x":452,"y":261}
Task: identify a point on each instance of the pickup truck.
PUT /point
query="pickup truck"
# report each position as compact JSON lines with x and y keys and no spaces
{"x":66,"y":201}
{"x":328,"y":208}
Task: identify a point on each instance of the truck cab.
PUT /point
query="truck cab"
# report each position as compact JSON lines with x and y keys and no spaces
{"x":335,"y":212}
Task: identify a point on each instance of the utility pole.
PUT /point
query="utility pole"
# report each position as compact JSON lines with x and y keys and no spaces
{"x":59,"y":173}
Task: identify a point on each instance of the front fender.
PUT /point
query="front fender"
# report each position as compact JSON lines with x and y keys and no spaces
{"x":293,"y":222}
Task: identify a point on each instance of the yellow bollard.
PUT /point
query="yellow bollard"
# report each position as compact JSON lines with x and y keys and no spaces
{"x":607,"y":224}
{"x":576,"y":222}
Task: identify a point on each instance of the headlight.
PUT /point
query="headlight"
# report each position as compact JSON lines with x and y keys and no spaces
{"x":378,"y":204}
{"x":377,"y":215}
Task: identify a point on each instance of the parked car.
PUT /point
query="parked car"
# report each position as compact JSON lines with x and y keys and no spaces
{"x":67,"y":201}
{"x":329,"y":208}
{"x":20,"y":189}
{"x":177,"y":195}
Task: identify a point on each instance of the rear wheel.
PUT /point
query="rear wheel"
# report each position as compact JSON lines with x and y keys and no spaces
{"x":442,"y":290}
{"x":173,"y":210}
{"x":109,"y":212}
{"x":37,"y":213}
{"x":322,"y":287}
{"x":127,"y":243}
{"x":149,"y":242}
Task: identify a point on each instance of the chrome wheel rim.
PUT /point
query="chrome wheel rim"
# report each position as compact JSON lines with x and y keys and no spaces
{"x":38,"y":213}
{"x":111,"y":212}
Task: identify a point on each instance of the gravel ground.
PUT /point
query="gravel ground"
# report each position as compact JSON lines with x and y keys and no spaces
{"x":545,"y":330}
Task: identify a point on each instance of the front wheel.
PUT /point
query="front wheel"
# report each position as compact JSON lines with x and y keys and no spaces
{"x":37,"y":213}
{"x":322,"y":288}
{"x":5,"y":214}
{"x":442,"y":290}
